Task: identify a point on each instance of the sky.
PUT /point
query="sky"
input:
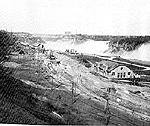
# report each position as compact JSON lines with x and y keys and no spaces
{"x":95,"y":17}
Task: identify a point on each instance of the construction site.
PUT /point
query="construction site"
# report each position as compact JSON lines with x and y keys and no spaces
{"x":71,"y":62}
{"x":76,"y":88}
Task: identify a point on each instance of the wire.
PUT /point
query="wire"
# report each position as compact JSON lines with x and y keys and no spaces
{"x":97,"y":108}
{"x":117,"y":116}
{"x":103,"y":111}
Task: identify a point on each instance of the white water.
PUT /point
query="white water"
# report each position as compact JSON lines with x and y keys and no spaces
{"x":90,"y":46}
{"x":98,"y":47}
{"x":142,"y":53}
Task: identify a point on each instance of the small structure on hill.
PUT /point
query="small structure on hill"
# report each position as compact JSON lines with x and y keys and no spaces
{"x":71,"y":51}
{"x":54,"y":60}
{"x":52,"y":57}
{"x":17,"y":53}
{"x":21,"y":52}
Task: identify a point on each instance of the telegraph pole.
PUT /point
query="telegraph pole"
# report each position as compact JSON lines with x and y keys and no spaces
{"x":106,"y":108}
{"x":74,"y":88}
{"x":72,"y":92}
{"x":38,"y":64}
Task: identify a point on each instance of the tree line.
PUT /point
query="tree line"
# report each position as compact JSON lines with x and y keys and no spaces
{"x":127,"y":43}
{"x":7,"y":43}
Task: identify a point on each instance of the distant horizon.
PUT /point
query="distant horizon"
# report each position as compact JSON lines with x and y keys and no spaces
{"x":70,"y":34}
{"x":92,"y":17}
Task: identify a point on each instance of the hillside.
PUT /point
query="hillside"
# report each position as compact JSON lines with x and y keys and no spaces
{"x":28,"y":38}
{"x":63,"y":88}
{"x":18,"y":105}
{"x":127,"y":43}
{"x":38,"y":91}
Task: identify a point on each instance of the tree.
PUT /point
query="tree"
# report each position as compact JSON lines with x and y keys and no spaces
{"x":7,"y":41}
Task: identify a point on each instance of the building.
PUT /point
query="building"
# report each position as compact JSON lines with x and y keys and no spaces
{"x":68,"y":33}
{"x":71,"y":51}
{"x":20,"y":52}
{"x":113,"y":70}
{"x":121,"y":72}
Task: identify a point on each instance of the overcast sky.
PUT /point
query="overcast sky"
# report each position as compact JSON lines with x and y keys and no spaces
{"x":109,"y":17}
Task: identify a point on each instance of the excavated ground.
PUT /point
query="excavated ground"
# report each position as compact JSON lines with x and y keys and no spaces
{"x":127,"y":105}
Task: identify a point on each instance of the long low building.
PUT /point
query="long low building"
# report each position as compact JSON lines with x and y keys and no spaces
{"x":122,"y":72}
{"x":113,"y":70}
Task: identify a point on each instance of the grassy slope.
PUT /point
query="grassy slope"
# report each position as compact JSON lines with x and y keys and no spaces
{"x":19,"y":106}
{"x":14,"y":92}
{"x":34,"y":111}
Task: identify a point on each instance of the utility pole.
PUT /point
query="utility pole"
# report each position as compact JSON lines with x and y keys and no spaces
{"x":52,"y":79}
{"x":51,"y":67}
{"x":74,"y":89}
{"x":76,"y":36}
{"x":73,"y":84}
{"x":37,"y":67}
{"x":11,"y":32}
{"x":106,"y":108}
{"x":38,"y":63}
